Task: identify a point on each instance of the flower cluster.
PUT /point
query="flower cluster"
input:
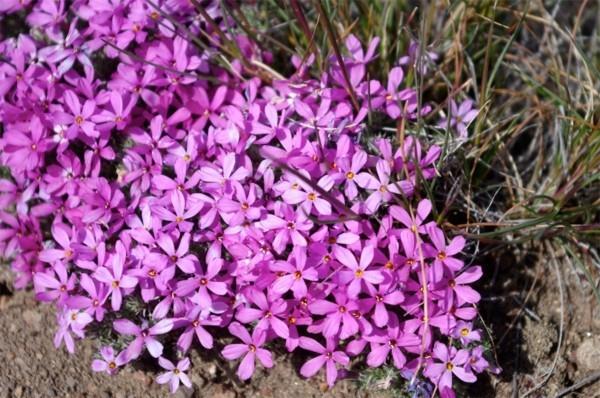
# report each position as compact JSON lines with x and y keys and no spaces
{"x":219,"y":198}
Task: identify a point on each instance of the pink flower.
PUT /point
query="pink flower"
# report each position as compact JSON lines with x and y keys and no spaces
{"x":114,"y":277}
{"x":308,"y":197}
{"x":329,"y":357}
{"x":26,"y":152}
{"x":79,"y":118}
{"x":49,"y":288}
{"x":452,"y":362}
{"x":251,"y":349}
{"x":144,"y":336}
{"x":393,"y":340}
{"x":174,"y":374}
{"x":109,"y":362}
{"x":294,"y":277}
{"x":358,"y":277}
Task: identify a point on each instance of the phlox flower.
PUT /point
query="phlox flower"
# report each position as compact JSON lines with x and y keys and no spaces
{"x":250,"y":349}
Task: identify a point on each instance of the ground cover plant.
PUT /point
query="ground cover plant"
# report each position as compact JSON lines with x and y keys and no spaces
{"x":182,"y":176}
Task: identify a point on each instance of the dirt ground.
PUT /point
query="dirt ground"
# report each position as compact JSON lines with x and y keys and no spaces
{"x":526,"y":330}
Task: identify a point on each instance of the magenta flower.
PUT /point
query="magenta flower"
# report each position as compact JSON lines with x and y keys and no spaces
{"x":94,"y":303}
{"x":416,"y":223}
{"x":251,"y":349}
{"x":114,"y":277}
{"x":452,"y":362}
{"x":329,"y":357}
{"x":79,"y":118}
{"x":206,"y":283}
{"x":182,"y":210}
{"x":443,"y":253}
{"x":294,"y":276}
{"x":464,"y":332}
{"x":144,"y":336}
{"x":70,"y":249}
{"x":194,"y":322}
{"x":180,"y":257}
{"x":340,"y":316}
{"x":110,"y":362}
{"x":358,"y":277}
{"x":50,"y":288}
{"x":174,"y":374}
{"x":117,"y":117}
{"x":460,"y":117}
{"x":393,"y":341}
{"x":25,"y":151}
{"x":268,"y":313}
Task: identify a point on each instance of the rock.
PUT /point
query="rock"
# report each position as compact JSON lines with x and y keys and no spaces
{"x":197,"y":380}
{"x":142,"y":377}
{"x":211,"y":370}
{"x":218,"y":391}
{"x":32,"y":318}
{"x":184,"y":392}
{"x":588,"y":353}
{"x":18,"y":393}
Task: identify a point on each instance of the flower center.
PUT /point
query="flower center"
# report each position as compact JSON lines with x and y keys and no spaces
{"x":342,"y":309}
{"x":195,"y":323}
{"x":118,"y":119}
{"x":176,"y":371}
{"x":74,"y":316}
{"x":245,"y":206}
{"x":328,"y":355}
{"x":152,"y":273}
{"x":203,"y":281}
{"x":173,"y":258}
{"x":392,"y":343}
{"x":63,"y":288}
{"x":383,"y":189}
{"x":268,"y":314}
{"x":389,"y":265}
{"x":464,"y":332}
{"x":295,"y":185}
{"x":297,"y":275}
{"x":452,"y":283}
{"x":378,"y":298}
{"x":79,"y":120}
{"x":449,"y":366}
{"x":312,"y":196}
{"x":359,"y":273}
{"x":95,"y":303}
{"x":349,"y":175}
{"x":291,"y":225}
{"x":115,"y":284}
{"x":292,"y":320}
{"x":154,"y":15}
{"x":112,"y":365}
{"x":356,"y":314}
{"x":252,"y":347}
{"x":441,"y":256}
{"x":332,"y":240}
{"x":178,"y":219}
{"x":33,"y":147}
{"x":326,"y":258}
